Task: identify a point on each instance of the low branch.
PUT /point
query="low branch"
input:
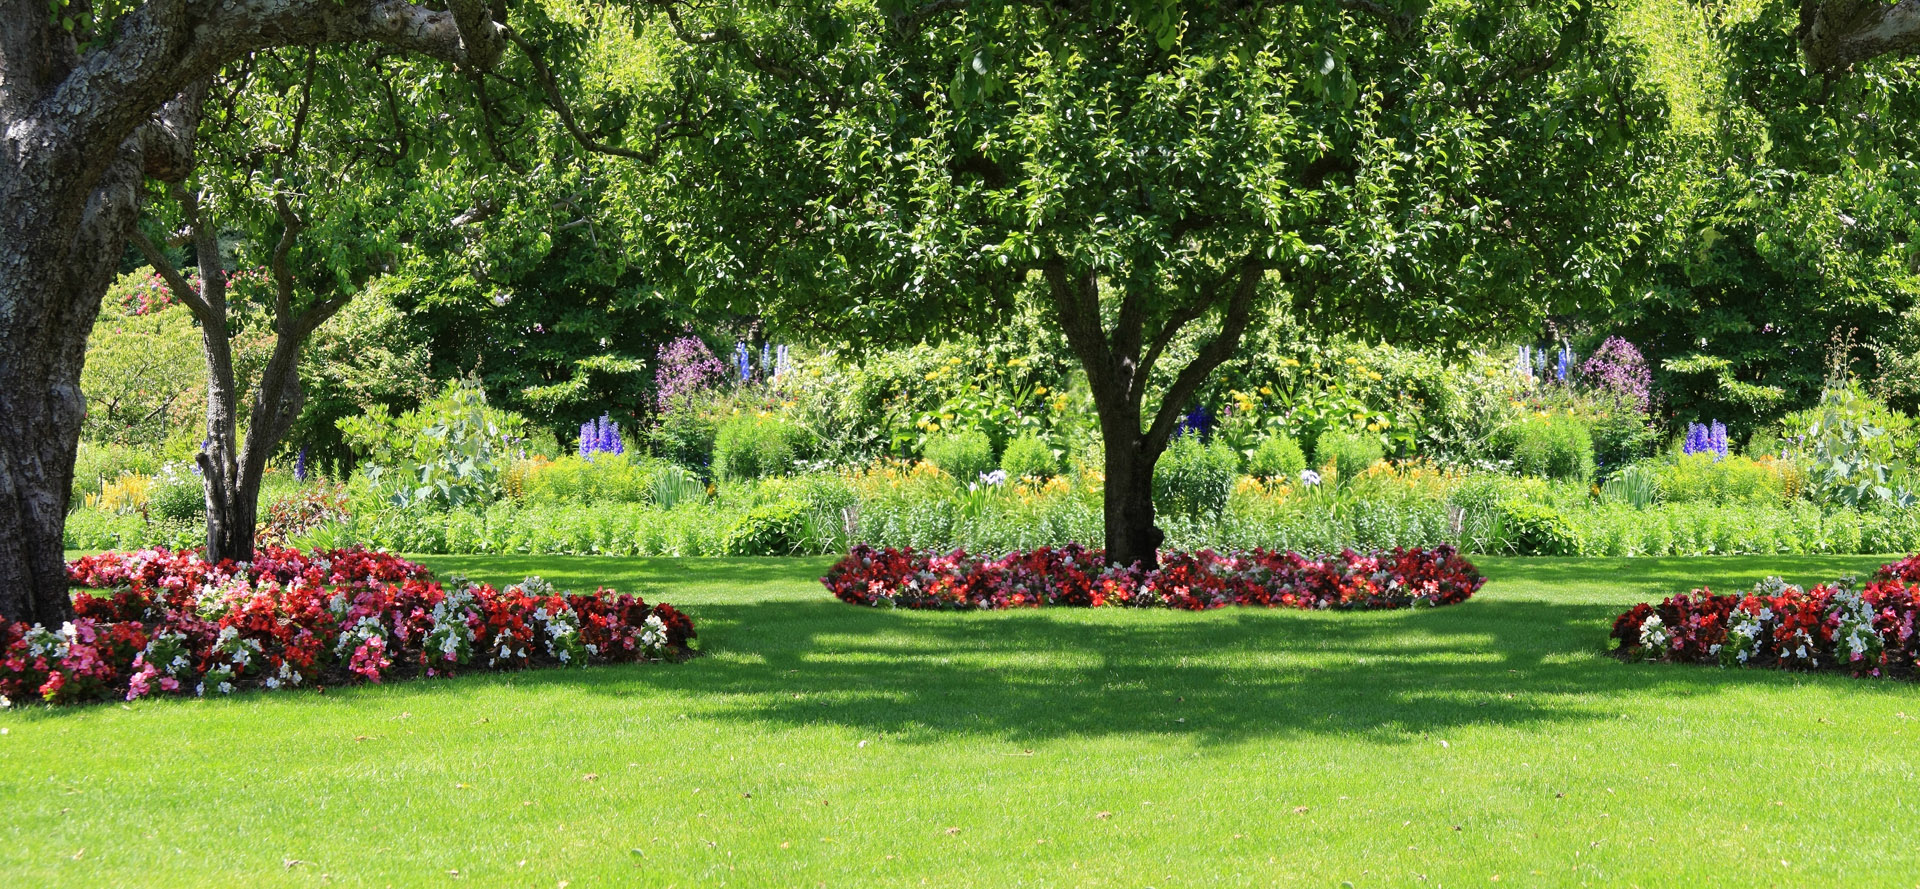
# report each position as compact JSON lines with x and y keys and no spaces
{"x":1239,"y":313}
{"x":1835,"y":35}
{"x":561,"y":108}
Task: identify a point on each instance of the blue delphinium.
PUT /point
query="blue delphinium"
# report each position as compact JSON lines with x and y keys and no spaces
{"x":1704,"y":439}
{"x":300,"y":465}
{"x":1198,"y":421}
{"x":600,"y":436}
{"x":742,"y":358}
{"x":1566,"y":363}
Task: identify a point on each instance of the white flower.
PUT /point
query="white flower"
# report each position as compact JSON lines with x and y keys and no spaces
{"x":1309,"y":478}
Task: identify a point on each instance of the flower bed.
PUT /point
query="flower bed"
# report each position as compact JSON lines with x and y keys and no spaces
{"x":174,"y":623}
{"x":1868,"y":631}
{"x":1075,"y":576}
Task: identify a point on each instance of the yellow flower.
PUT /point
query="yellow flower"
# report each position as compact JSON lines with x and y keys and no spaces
{"x":1268,"y":390}
{"x":1291,"y":362}
{"x":1373,"y":427}
{"x":1371,"y":375}
{"x":1039,"y":390}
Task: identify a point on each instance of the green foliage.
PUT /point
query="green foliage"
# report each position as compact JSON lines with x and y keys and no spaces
{"x":176,"y":494}
{"x":774,"y":529}
{"x":964,"y":455}
{"x":674,"y":485}
{"x":607,"y":478}
{"x":1556,"y":446}
{"x":1536,"y":529}
{"x":368,"y":354}
{"x":1277,"y":457}
{"x":98,"y":463}
{"x":144,"y":378}
{"x":1029,"y":457}
{"x":450,"y":452}
{"x":1349,"y":453}
{"x":1736,"y":479}
{"x":1194,"y":479}
{"x":749,"y":446}
{"x":1637,"y":486}
{"x":1850,"y":455}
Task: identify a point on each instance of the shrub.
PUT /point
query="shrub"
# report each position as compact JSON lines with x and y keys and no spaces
{"x":451,"y":452}
{"x":1079,"y":577}
{"x":176,"y":494}
{"x":1535,"y":529}
{"x":1349,"y":453}
{"x":749,"y":446}
{"x":607,"y":478}
{"x":774,"y":529}
{"x":1557,"y":446}
{"x":1277,"y":457}
{"x":1194,"y":479}
{"x":964,"y":455}
{"x":1703,"y":477}
{"x":1029,"y":457}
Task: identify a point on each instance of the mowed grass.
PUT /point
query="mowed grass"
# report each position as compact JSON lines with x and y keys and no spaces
{"x":820,"y":744}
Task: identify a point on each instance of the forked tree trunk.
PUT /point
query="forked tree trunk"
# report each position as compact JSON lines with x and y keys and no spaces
{"x":1119,"y":363}
{"x":232,"y":465}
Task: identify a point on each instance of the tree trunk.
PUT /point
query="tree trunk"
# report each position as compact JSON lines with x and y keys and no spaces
{"x":81,"y":121}
{"x":1119,"y":363}
{"x":54,"y":269}
{"x":1132,"y":536}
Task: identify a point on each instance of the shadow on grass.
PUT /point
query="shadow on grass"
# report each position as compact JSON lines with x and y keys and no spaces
{"x":1221,"y":677}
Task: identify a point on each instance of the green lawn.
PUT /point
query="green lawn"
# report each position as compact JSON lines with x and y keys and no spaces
{"x":823,"y":744}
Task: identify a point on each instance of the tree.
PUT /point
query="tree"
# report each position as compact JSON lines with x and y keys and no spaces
{"x":92,"y":99}
{"x":1786,"y":219}
{"x":1155,"y":172}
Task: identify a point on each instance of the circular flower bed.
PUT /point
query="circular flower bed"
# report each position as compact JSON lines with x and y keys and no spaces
{"x":1867,"y":630}
{"x":1076,"y":576}
{"x":174,"y":623}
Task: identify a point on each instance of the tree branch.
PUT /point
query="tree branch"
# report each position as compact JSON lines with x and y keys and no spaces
{"x":1835,"y":35}
{"x":1239,"y":313}
{"x":176,"y":282}
{"x":561,"y":108}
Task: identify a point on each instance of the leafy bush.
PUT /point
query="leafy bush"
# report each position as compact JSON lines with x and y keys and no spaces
{"x":99,"y":463}
{"x":1535,"y":529}
{"x":774,"y":529}
{"x":1029,"y":457}
{"x":1702,"y":477}
{"x":674,"y":485}
{"x":1277,"y":457}
{"x":451,"y":452}
{"x":964,"y":455}
{"x":748,"y":446}
{"x":176,"y":494}
{"x":1557,"y":446}
{"x":1195,"y":479}
{"x":1853,"y":445}
{"x":1349,"y":453}
{"x":1637,"y":486}
{"x":607,"y":478}
{"x":685,"y":435}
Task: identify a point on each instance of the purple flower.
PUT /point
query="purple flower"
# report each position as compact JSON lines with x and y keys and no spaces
{"x":300,"y":465}
{"x":683,"y":367}
{"x":1619,"y":368}
{"x":740,"y":356}
{"x":1704,"y":439}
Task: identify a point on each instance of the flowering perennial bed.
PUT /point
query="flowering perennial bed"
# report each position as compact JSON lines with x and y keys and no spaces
{"x":1076,"y":576}
{"x":175,"y":623}
{"x":1867,"y":631}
